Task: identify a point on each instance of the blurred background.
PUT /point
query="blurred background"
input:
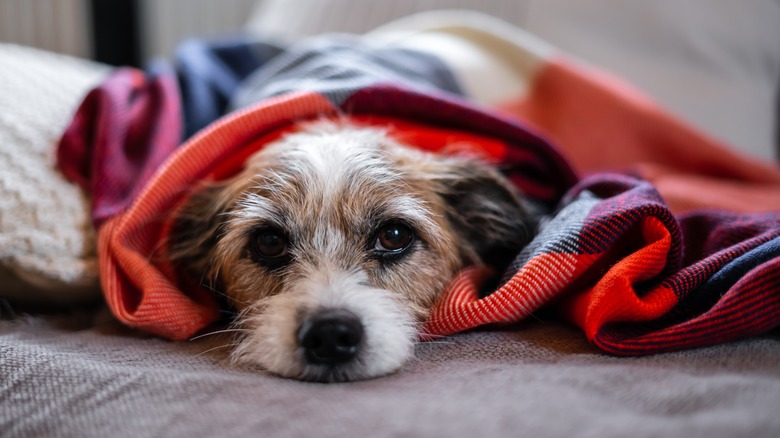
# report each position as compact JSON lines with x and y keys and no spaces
{"x":714,"y":63}
{"x":118,"y":32}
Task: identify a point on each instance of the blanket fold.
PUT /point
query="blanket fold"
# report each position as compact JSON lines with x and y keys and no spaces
{"x":617,"y":263}
{"x":638,"y":273}
{"x":122,"y":132}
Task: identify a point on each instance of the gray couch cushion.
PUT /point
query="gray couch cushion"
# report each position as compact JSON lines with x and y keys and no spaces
{"x":541,"y":379}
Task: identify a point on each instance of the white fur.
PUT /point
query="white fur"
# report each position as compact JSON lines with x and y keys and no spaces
{"x":326,"y":160}
{"x":271,"y":339}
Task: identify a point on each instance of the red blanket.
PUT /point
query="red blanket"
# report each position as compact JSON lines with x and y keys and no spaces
{"x":631,"y":258}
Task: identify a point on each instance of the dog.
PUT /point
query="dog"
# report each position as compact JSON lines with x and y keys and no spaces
{"x":334,"y":242}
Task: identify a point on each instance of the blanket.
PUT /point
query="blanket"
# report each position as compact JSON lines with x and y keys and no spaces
{"x":639,"y":259}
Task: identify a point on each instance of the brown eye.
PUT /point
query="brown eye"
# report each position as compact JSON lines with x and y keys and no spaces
{"x":393,"y":237}
{"x":268,"y":243}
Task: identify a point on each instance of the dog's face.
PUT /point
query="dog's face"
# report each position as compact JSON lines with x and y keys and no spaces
{"x":334,"y":243}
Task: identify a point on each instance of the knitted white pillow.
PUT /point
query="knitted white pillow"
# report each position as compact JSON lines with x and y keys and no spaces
{"x":47,"y":244}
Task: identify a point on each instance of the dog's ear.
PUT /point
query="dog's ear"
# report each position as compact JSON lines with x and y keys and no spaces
{"x":197,"y":226}
{"x":486,"y":209}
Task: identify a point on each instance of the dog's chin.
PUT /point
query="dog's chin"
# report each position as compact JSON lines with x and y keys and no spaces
{"x":272,"y":331}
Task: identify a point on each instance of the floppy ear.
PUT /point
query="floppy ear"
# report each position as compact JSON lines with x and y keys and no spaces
{"x":487,"y":211}
{"x":196,"y":229}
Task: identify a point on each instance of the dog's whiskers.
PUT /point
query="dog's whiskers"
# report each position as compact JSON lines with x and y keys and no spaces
{"x":229,"y":345}
{"x":217,"y":332}
{"x":232,"y":299}
{"x":435,"y":342}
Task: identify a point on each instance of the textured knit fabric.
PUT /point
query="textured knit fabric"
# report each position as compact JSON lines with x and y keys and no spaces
{"x":638,"y":274}
{"x":540,"y":379}
{"x":47,"y":245}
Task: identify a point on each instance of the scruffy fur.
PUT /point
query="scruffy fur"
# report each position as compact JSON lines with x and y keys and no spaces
{"x":327,"y":190}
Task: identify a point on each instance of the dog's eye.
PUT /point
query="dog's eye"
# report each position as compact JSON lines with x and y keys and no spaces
{"x":393,"y":237}
{"x":269,"y":243}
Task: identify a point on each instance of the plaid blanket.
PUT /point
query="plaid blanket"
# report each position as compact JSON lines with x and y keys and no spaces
{"x":635,"y":253}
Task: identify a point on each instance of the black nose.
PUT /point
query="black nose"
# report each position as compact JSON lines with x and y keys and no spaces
{"x":330,"y":337}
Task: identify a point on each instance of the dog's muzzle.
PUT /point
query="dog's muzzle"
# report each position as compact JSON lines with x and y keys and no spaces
{"x":330,"y":337}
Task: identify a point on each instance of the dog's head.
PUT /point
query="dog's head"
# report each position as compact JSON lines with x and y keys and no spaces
{"x":334,"y":243}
